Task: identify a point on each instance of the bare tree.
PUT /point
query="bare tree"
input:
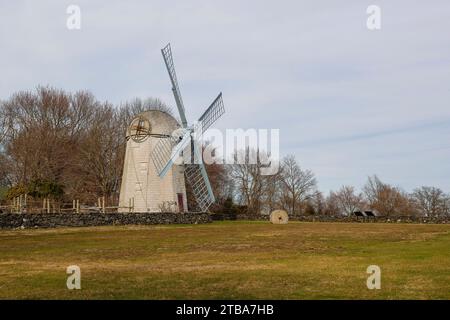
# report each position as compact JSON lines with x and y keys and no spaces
{"x":319,"y":203}
{"x":298,"y":185}
{"x":431,"y":201}
{"x":447,"y":204}
{"x":44,"y":128}
{"x":5,"y":168}
{"x":347,"y":200}
{"x":386,"y":199}
{"x":331,"y":205}
{"x":220,"y":181}
{"x":248,"y":179}
{"x":3,"y":125}
{"x":272,"y":192}
{"x":100,"y":155}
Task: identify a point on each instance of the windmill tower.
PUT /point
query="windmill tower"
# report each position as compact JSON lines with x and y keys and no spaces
{"x":162,"y":155}
{"x":141,"y":184}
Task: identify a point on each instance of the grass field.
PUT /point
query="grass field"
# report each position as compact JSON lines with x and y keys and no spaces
{"x":230,"y":260}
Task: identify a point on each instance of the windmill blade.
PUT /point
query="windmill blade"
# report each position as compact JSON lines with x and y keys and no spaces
{"x":197,"y":177}
{"x":167,"y":150}
{"x":161,"y":152}
{"x":214,"y":112}
{"x":168,"y":60}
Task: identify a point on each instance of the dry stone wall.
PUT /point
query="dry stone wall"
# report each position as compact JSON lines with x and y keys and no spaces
{"x":53,"y":220}
{"x":383,"y":219}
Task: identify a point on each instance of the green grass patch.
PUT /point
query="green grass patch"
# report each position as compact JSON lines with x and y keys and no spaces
{"x":228,"y":260}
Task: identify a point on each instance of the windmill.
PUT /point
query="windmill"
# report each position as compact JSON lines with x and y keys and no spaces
{"x":162,"y":156}
{"x":183,"y":142}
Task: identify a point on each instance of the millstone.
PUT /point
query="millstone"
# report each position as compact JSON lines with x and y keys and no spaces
{"x":279,"y":217}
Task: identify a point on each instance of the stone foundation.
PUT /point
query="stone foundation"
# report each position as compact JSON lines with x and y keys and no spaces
{"x":53,"y":220}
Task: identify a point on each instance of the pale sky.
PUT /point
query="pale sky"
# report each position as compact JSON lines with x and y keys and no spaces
{"x":349,"y":102}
